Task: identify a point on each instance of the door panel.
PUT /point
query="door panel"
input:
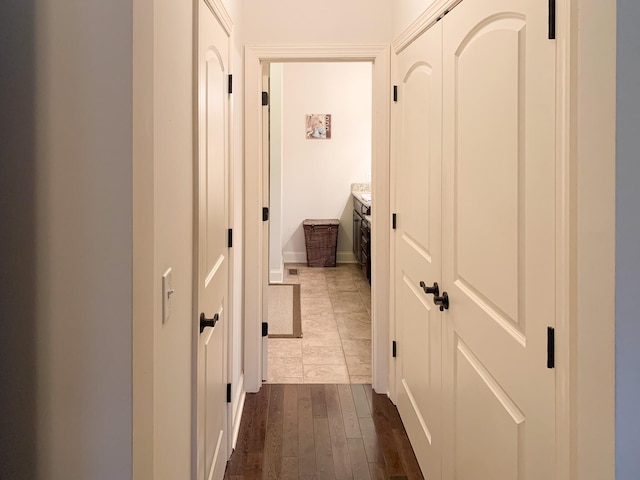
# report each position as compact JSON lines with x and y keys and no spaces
{"x":485,"y":411}
{"x":488,"y":211}
{"x":211,"y":253}
{"x":418,"y":245}
{"x":498,"y":240}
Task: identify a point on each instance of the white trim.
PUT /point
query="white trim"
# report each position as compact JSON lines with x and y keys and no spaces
{"x":254,"y":56}
{"x":235,"y":413}
{"x":430,"y":16}
{"x":346,"y":257}
{"x":393,"y":390}
{"x":294,"y":257}
{"x":276,"y":276}
{"x":301,"y":257}
{"x":220,"y":12}
{"x":314,"y":53}
{"x":564,"y":152}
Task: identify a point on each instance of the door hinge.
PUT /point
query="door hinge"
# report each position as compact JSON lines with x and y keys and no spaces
{"x":394,"y":349}
{"x":395,"y":93}
{"x":551,"y":347}
{"x":230,"y":238}
{"x":552,"y":19}
{"x":265,"y":329}
{"x":230,"y":84}
{"x":228,"y":393}
{"x":393,"y":221}
{"x":265,"y":214}
{"x":265,"y":99}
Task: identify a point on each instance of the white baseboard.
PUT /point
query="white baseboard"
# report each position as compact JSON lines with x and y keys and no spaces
{"x":276,"y":276}
{"x":346,"y":257}
{"x":294,"y":257}
{"x":301,"y":257}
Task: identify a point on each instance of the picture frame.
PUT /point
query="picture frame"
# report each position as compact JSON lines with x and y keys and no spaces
{"x":318,"y":126}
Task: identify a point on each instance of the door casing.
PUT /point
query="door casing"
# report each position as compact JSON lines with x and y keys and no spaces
{"x":254,"y":258}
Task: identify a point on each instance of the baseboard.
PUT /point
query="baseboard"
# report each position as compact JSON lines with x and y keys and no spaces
{"x":276,"y":276}
{"x":237,"y":407}
{"x":346,"y":257}
{"x":294,"y":257}
{"x":301,"y":257}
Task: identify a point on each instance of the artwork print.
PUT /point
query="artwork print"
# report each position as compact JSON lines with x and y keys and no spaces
{"x":318,"y":126}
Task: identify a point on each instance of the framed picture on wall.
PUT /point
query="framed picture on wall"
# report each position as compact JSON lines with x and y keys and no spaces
{"x":318,"y":126}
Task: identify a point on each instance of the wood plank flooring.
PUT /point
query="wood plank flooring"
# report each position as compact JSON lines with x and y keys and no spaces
{"x":321,"y":432}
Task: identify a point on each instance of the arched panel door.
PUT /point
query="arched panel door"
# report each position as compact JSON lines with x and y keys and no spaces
{"x":498,"y":240}
{"x":211,"y":250}
{"x":418,"y":162}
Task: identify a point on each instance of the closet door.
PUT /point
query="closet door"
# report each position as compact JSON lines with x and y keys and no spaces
{"x":418,"y":147}
{"x":498,"y":240}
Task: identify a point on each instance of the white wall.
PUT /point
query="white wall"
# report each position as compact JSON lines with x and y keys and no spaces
{"x":317,"y":174}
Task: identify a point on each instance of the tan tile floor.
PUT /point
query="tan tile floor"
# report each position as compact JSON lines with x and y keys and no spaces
{"x":336,"y":327}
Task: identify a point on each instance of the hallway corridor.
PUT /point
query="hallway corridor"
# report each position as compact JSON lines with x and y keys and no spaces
{"x":321,"y":432}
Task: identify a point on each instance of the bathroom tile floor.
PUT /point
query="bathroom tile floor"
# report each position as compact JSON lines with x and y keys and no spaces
{"x":336,"y":328}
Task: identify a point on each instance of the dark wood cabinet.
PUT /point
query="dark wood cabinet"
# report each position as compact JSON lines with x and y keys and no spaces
{"x":362,"y":236}
{"x":365,"y":248}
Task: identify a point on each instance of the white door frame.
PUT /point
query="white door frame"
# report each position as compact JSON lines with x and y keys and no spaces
{"x":585,"y":240}
{"x":254,"y":263}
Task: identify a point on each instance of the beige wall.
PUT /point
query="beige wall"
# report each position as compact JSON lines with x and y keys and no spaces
{"x":405,"y":12}
{"x":173,"y":224}
{"x":594,"y":247}
{"x":286,"y":22}
{"x":163,"y":169}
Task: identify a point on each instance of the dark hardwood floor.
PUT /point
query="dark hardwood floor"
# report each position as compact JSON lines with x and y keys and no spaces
{"x":321,"y":432}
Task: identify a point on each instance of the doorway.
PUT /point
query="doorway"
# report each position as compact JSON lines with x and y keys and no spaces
{"x":256,"y":195}
{"x":319,"y":317}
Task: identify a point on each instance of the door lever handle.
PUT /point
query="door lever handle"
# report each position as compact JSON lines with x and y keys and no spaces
{"x":207,"y":322}
{"x":443,"y":301}
{"x":435,"y":290}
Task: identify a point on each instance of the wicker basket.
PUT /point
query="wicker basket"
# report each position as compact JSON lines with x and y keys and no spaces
{"x":321,"y":239}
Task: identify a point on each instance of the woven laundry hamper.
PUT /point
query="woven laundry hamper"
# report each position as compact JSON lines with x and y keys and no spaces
{"x":321,"y":239}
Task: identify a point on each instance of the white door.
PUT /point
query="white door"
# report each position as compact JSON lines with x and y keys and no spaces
{"x":418,"y":120}
{"x":212,"y":176}
{"x":266,"y":141}
{"x":498,"y":240}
